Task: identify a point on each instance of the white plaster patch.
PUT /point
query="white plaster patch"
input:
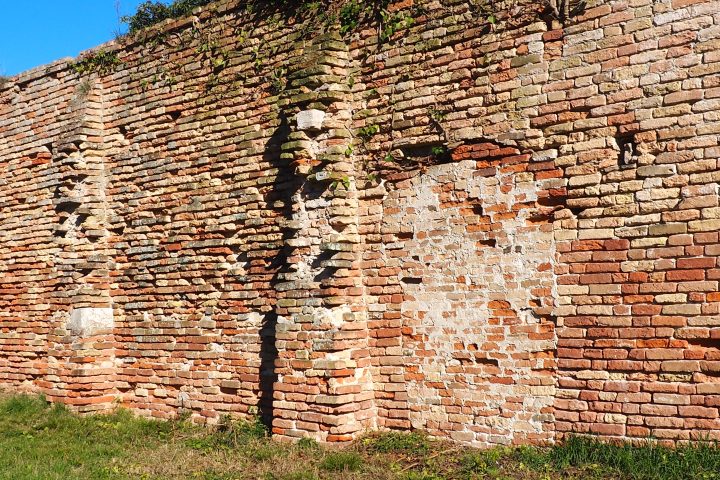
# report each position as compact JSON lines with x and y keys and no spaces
{"x":333,"y":316}
{"x":449,"y":308}
{"x":85,"y":322}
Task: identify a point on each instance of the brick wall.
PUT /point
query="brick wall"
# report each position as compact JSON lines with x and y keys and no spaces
{"x":637,"y":278}
{"x":498,"y":232}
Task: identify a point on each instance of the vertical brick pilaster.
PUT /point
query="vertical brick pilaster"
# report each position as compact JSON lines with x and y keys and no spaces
{"x":81,"y":347}
{"x":324,"y":388}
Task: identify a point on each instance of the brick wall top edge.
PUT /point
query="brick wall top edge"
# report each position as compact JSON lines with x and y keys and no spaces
{"x":168,"y":25}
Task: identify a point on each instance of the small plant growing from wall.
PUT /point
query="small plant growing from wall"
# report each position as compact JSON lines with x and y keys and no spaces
{"x":436,"y":114}
{"x":369,"y":131}
{"x":391,"y":23}
{"x":84,"y":88}
{"x":486,"y":10}
{"x":278,"y":79}
{"x":439,"y":151}
{"x":564,"y":9}
{"x":101,"y":62}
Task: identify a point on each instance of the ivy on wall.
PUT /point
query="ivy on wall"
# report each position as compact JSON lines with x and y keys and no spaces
{"x":150,"y":13}
{"x":349,"y":14}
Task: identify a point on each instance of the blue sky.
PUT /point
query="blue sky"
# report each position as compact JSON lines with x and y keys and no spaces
{"x":35,"y":32}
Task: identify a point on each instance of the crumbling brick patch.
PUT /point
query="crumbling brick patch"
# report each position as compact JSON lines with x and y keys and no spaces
{"x":467,"y":262}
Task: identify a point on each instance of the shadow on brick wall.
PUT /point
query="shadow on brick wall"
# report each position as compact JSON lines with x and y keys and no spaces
{"x":284,"y":187}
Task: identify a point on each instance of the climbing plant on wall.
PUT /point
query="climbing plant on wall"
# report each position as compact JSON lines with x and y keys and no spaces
{"x":152,"y":12}
{"x":349,"y":14}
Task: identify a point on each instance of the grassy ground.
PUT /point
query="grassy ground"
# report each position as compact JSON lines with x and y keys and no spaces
{"x":40,"y":441}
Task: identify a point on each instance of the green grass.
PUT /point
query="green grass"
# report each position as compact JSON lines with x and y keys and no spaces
{"x":40,"y":441}
{"x":646,"y":461}
{"x":396,"y":442}
{"x":43,"y":441}
{"x":342,"y":462}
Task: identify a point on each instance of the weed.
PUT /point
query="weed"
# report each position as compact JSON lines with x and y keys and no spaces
{"x":350,"y":16}
{"x":531,"y":457}
{"x":264,"y":452}
{"x":369,"y":131}
{"x":437,"y":114}
{"x":440,"y":151}
{"x":229,"y":433}
{"x":308,"y":444}
{"x":393,"y":23}
{"x":422,"y":476}
{"x":24,"y":405}
{"x":46,"y":441}
{"x":257,"y":58}
{"x":484,"y":463}
{"x":639,"y":462}
{"x":300,"y":475}
{"x":101,"y":62}
{"x":398,"y":442}
{"x":278,"y":80}
{"x":84,"y":87}
{"x":342,"y":462}
{"x":485,"y":9}
{"x":344,"y":181}
{"x":213,"y":475}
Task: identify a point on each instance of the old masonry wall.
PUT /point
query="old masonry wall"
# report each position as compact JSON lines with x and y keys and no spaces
{"x":499,"y":232}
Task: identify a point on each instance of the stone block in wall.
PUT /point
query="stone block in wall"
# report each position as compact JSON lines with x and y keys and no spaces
{"x":86,"y":322}
{"x":311,"y":119}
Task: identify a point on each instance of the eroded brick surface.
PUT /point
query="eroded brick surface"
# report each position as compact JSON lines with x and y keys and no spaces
{"x":475,"y":266}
